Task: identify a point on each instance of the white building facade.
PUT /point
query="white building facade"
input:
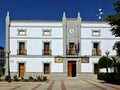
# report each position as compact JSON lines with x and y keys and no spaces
{"x":57,"y":49}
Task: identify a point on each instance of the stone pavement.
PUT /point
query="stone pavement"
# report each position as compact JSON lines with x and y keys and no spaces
{"x":67,"y":84}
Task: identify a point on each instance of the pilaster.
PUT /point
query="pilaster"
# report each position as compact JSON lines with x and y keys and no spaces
{"x":64,"y":27}
{"x":7,"y":40}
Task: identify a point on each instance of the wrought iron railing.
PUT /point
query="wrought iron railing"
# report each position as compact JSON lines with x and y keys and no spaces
{"x":21,"y":52}
{"x":96,"y":52}
{"x":46,"y":52}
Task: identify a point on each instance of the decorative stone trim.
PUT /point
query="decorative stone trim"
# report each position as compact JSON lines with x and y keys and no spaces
{"x":56,"y":75}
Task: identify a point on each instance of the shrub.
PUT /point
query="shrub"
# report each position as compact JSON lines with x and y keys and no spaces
{"x":110,"y":77}
{"x":39,"y":78}
{"x":101,"y":76}
{"x":22,"y":78}
{"x":102,"y":63}
{"x":44,"y":78}
{"x":15,"y":78}
{"x":117,"y":77}
{"x":6,"y":78}
{"x":30,"y":78}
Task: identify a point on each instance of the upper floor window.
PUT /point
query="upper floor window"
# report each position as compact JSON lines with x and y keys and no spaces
{"x":46,"y":49}
{"x":21,"y":50}
{"x":22,"y":32}
{"x":72,"y":48}
{"x":95,"y":32}
{"x":96,"y":49}
{"x":46,"y":32}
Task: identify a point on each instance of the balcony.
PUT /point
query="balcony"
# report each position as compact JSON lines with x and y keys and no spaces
{"x":46,"y":52}
{"x":96,"y":52}
{"x":72,"y":51}
{"x":21,"y":52}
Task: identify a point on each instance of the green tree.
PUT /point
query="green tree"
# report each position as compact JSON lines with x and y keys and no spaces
{"x":114,"y":63}
{"x":114,"y":19}
{"x":102,"y":63}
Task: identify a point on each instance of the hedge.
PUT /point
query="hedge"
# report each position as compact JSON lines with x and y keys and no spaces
{"x":110,"y":77}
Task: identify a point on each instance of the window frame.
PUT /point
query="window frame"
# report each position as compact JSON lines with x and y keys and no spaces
{"x":46,"y":32}
{"x":96,"y":33}
{"x":25,"y":46}
{"x":21,"y":31}
{"x":44,"y":67}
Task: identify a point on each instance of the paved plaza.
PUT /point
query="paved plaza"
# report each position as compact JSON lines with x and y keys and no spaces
{"x":67,"y":84}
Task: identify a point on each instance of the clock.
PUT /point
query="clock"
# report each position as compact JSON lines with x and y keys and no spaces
{"x":71,"y":30}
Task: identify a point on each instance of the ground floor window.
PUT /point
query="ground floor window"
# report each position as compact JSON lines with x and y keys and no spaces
{"x":96,"y":69}
{"x":46,"y":68}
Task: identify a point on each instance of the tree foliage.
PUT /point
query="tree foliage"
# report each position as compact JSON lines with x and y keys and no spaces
{"x":102,"y":63}
{"x":116,"y":63}
{"x":114,"y":19}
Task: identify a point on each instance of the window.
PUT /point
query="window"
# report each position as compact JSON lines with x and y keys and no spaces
{"x":46,"y":50}
{"x":96,"y":69}
{"x":46,"y":68}
{"x":95,"y":32}
{"x":21,"y":50}
{"x":46,"y":32}
{"x":72,"y":48}
{"x":22,"y":32}
{"x":96,"y":51}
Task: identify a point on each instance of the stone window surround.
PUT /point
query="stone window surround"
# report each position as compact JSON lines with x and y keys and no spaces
{"x":49,"y":62}
{"x":25,"y":41}
{"x":46,"y":32}
{"x":49,"y":41}
{"x":19,"y":31}
{"x":96,"y":42}
{"x":96,"y":32}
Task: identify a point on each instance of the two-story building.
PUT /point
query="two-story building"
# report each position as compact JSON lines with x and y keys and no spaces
{"x":70,"y":47}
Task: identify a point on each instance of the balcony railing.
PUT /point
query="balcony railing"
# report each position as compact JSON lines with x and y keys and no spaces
{"x":46,"y":52}
{"x":96,"y":52}
{"x":72,"y":51}
{"x":21,"y":52}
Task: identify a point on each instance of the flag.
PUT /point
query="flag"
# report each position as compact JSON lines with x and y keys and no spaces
{"x":67,"y":49}
{"x":78,"y":46}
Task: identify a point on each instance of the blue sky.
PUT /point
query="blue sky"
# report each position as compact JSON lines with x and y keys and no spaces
{"x":51,"y":10}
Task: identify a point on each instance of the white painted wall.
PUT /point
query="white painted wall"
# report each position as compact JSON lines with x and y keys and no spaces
{"x":34,"y":43}
{"x":34,"y":37}
{"x":35,"y":64}
{"x":106,"y":39}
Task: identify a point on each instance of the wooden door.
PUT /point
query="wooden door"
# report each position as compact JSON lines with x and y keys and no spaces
{"x":21,"y":69}
{"x":71,"y":68}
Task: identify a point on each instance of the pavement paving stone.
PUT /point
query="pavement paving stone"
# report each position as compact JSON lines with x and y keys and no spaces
{"x":57,"y":85}
{"x":66,"y":84}
{"x":102,"y":85}
{"x":79,"y":85}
